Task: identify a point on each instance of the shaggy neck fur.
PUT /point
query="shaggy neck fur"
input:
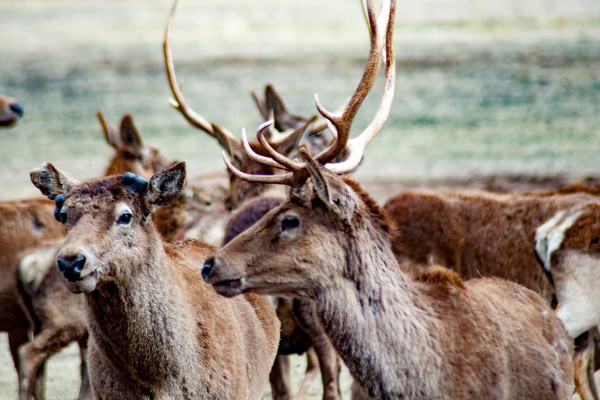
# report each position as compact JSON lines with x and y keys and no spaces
{"x":140,"y":327}
{"x":376,"y":320}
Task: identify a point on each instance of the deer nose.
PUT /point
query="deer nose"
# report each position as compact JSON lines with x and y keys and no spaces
{"x":17,"y":108}
{"x":71,"y":269}
{"x":207,"y":267}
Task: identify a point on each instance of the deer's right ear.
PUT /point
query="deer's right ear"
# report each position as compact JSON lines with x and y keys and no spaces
{"x":231,"y":145}
{"x":165,"y":186}
{"x":51,"y":181}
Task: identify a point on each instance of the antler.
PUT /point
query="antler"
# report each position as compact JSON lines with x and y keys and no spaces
{"x":178,"y":102}
{"x":286,"y":127}
{"x":341,"y":122}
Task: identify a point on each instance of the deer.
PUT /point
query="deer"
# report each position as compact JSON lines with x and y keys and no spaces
{"x":11,"y":111}
{"x":567,"y":246}
{"x":430,"y":336}
{"x":251,"y":198}
{"x":55,"y":315}
{"x":156,"y":330}
{"x":479,"y":233}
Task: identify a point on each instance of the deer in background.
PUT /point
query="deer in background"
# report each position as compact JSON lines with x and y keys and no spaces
{"x":250,"y":200}
{"x":568,"y":247}
{"x":487,"y":234}
{"x":156,"y":330}
{"x":56,"y":315}
{"x":11,"y":111}
{"x":431,"y":337}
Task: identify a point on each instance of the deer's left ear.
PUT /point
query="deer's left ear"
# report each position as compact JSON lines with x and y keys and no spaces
{"x":165,"y":186}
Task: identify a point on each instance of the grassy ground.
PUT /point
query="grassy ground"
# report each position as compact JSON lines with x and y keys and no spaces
{"x":484,"y":87}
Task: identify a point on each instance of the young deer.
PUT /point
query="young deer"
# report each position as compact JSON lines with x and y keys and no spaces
{"x":56,"y":315}
{"x":435,"y":337}
{"x":10,"y":111}
{"x":156,"y":330}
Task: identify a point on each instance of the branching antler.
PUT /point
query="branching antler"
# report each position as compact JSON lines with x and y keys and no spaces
{"x":178,"y":101}
{"x":341,"y":122}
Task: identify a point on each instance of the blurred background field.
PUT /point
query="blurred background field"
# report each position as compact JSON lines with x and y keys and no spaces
{"x":483,"y":86}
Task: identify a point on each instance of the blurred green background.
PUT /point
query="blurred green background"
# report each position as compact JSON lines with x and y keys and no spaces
{"x":483,"y":87}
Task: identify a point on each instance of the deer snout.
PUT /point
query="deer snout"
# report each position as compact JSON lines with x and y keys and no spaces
{"x":207,"y":268}
{"x":71,"y":267}
{"x":17,"y":108}
{"x":226,"y":280}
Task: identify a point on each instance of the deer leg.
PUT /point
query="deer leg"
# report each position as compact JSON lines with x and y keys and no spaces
{"x":584,"y":366}
{"x":16,"y":338}
{"x":33,"y":355}
{"x":312,"y":365}
{"x":280,"y":379}
{"x":329,"y":361}
{"x":85,"y":389}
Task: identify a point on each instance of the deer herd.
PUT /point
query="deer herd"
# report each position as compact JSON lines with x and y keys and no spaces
{"x":178,"y":287}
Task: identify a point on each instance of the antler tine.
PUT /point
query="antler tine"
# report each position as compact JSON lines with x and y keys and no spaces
{"x":178,"y":102}
{"x":343,"y":121}
{"x":294,"y":135}
{"x":289,"y":164}
{"x":282,"y":179}
{"x":356,"y":146}
{"x":257,"y":157}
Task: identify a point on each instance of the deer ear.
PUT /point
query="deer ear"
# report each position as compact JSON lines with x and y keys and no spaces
{"x":110,"y":133}
{"x":165,"y":186}
{"x":231,"y":145}
{"x":130,"y":136}
{"x":317,"y":176}
{"x":283,"y":118}
{"x":261,"y":105}
{"x":51,"y":181}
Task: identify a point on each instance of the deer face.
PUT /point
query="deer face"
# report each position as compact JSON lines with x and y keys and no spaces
{"x":569,"y":246}
{"x":294,"y":250}
{"x":109,"y":229}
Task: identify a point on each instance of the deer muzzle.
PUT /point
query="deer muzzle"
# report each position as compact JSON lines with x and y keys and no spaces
{"x":226,"y":281}
{"x":71,"y":268}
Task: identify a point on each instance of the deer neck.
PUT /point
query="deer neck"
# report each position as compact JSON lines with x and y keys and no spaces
{"x":386,"y":336}
{"x":141,"y":315}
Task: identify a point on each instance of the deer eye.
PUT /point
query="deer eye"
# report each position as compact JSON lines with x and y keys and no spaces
{"x":289,"y":222}
{"x":125,"y":218}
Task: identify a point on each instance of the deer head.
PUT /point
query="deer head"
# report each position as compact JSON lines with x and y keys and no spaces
{"x":132,"y":152}
{"x":10,"y":111}
{"x":109,"y":231}
{"x":296,"y":248}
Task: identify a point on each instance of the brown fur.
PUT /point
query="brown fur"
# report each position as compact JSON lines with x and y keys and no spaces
{"x":10,"y":111}
{"x":56,"y":315}
{"x":185,"y":220}
{"x":476,"y":233}
{"x":482,"y":234}
{"x":156,"y":330}
{"x":400,"y":337}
